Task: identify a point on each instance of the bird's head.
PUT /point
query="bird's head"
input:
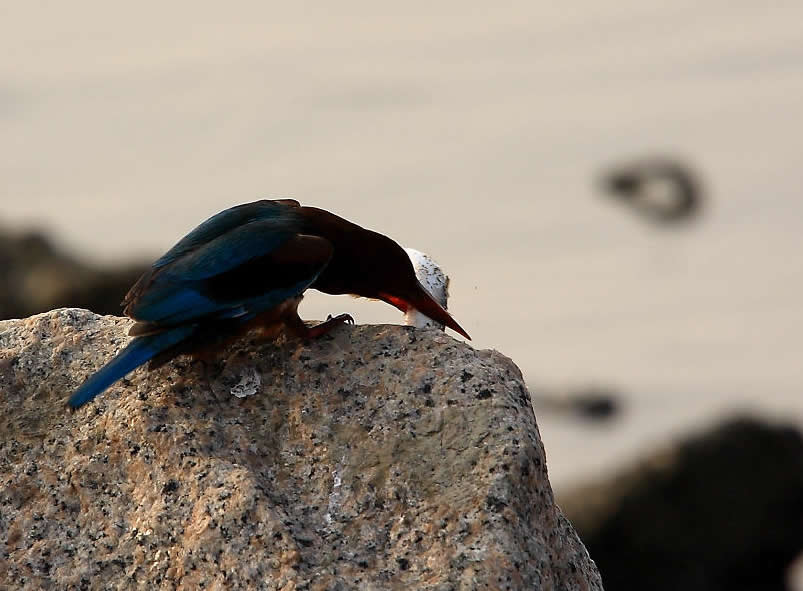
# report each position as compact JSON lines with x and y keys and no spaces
{"x":371,"y":265}
{"x":390,"y":276}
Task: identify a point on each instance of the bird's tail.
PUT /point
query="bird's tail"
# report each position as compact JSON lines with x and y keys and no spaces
{"x":138,"y":352}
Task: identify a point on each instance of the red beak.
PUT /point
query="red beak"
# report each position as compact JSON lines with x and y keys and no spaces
{"x":424,"y":303}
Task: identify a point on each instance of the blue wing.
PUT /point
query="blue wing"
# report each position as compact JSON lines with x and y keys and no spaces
{"x":239,"y":263}
{"x":239,"y":271}
{"x":228,"y":220}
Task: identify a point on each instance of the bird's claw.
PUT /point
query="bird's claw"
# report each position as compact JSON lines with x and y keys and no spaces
{"x":341,"y":318}
{"x":324,"y":327}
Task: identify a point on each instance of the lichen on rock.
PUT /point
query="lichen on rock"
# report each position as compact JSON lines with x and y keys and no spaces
{"x":378,"y":457}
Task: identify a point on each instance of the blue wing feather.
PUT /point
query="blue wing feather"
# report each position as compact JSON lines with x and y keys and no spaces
{"x":232,"y":249}
{"x":177,"y":293}
{"x":226,"y":221}
{"x":138,"y":351}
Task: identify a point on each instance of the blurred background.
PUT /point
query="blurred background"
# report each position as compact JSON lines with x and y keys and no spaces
{"x":613,"y":188}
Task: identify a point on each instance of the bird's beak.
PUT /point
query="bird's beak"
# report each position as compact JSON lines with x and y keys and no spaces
{"x":424,"y":303}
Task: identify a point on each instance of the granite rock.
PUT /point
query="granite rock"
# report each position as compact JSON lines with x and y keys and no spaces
{"x":378,"y":457}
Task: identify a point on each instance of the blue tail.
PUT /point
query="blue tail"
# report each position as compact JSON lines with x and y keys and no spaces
{"x":138,"y":351}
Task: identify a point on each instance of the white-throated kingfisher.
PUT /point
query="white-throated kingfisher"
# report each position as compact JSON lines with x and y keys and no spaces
{"x":248,"y":267}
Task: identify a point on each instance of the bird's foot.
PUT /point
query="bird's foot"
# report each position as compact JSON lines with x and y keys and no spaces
{"x":331,"y":322}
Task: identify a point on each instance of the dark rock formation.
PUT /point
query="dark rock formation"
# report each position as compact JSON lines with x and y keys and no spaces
{"x":37,"y":277}
{"x":720,"y":511}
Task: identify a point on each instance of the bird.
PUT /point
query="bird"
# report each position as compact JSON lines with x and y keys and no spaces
{"x":247,"y":268}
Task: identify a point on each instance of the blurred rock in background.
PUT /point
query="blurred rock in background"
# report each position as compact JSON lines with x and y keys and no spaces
{"x":720,"y":510}
{"x":661,"y":189}
{"x":38,"y":276}
{"x":592,"y":403}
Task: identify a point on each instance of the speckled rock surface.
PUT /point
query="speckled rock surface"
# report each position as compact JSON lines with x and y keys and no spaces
{"x":379,"y":457}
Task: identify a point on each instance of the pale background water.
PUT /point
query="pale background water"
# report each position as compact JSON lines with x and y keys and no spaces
{"x":474,"y":132}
